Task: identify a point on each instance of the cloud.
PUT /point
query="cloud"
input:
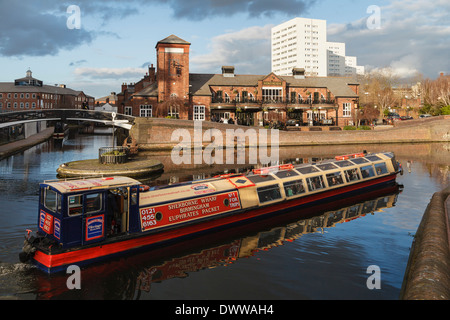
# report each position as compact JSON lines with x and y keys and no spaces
{"x":201,"y":9}
{"x":110,"y":73}
{"x":76,"y":63}
{"x":248,"y":50}
{"x":30,"y":28}
{"x":414,"y":36}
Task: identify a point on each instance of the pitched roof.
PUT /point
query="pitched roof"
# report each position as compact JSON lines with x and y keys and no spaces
{"x":173,"y":39}
{"x":200,"y":83}
{"x":9,"y":87}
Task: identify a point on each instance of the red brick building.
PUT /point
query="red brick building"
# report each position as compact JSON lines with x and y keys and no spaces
{"x":171,"y":91}
{"x":29,"y":93}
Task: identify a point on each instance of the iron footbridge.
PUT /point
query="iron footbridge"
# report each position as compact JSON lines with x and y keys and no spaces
{"x":108,"y":118}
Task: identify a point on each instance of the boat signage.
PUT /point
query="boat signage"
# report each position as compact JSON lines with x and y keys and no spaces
{"x":187,"y":210}
{"x":46,"y":222}
{"x":95,"y":227}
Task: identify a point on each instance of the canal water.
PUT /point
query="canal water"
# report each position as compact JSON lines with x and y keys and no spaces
{"x":330,"y":254}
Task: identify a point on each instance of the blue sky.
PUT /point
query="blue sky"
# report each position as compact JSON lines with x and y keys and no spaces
{"x":117,"y":39}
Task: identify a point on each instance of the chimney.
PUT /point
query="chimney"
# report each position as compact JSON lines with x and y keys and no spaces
{"x":298,"y":73}
{"x":228,"y":71}
{"x":152,"y":73}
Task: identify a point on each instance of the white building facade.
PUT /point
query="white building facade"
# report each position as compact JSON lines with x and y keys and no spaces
{"x":302,"y":43}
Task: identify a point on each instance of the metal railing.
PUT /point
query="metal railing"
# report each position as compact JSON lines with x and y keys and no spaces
{"x":113,"y":155}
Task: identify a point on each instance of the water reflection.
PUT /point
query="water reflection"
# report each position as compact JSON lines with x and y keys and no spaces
{"x":347,"y":249}
{"x":132,"y":277}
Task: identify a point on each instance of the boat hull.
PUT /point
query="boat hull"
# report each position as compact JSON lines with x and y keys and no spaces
{"x":81,"y":256}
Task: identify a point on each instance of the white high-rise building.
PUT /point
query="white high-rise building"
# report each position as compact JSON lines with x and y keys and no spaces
{"x":302,"y":43}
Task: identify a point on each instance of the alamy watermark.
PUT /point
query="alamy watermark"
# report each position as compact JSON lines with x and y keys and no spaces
{"x":374,"y":280}
{"x":74,"y":20}
{"x":191,"y":150}
{"x":374,"y":20}
{"x":74,"y":280}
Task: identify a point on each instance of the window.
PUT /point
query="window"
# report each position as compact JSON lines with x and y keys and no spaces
{"x":272,"y":94}
{"x":27,"y":105}
{"x":326,"y":166}
{"x":258,"y":178}
{"x":367,"y":172}
{"x":306,"y":170}
{"x":128,"y":111}
{"x":33,"y":105}
{"x":199,"y":113}
{"x":93,"y":202}
{"x":315,"y":183}
{"x":352,"y":175}
{"x":286,"y":173}
{"x":75,"y":205}
{"x":269,"y":193}
{"x":334,"y":179}
{"x":344,"y":163}
{"x":347,"y":109}
{"x":52,"y":200}
{"x":380,"y":168}
{"x":145,"y":111}
{"x":293,"y":188}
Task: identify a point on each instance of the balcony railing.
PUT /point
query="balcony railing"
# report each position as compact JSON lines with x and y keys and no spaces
{"x":272,"y":101}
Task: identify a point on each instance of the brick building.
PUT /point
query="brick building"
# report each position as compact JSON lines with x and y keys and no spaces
{"x":171,"y":91}
{"x":29,"y":93}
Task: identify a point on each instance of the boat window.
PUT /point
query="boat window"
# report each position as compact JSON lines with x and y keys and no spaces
{"x":334,"y":179}
{"x":293,"y":188}
{"x":326,"y":166}
{"x":269,"y":193}
{"x":286,"y":174}
{"x":380,"y":168}
{"x":352,"y":175}
{"x":373,"y":158}
{"x":52,"y":200}
{"x":389,"y":155}
{"x":75,"y":205}
{"x":134,"y":196}
{"x":315,"y":183}
{"x":93,"y":202}
{"x":367,"y":172}
{"x":344,"y":163}
{"x":258,"y":178}
{"x":359,"y":160}
{"x":306,"y":170}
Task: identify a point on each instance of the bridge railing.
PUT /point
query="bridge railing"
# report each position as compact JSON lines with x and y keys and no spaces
{"x":61,"y":114}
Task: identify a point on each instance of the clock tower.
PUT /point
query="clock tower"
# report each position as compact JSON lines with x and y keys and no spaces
{"x":172,"y":55}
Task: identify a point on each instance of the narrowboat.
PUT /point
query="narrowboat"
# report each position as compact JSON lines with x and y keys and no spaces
{"x":88,"y":220}
{"x":61,"y":130}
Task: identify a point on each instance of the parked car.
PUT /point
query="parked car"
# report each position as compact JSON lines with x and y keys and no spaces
{"x":391,"y":117}
{"x":293,"y":122}
{"x":406,"y":118}
{"x":425,"y":115}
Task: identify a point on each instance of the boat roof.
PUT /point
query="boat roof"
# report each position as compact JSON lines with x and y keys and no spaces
{"x":66,"y":186}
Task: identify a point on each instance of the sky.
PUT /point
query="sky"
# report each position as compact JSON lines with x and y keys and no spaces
{"x":95,"y":46}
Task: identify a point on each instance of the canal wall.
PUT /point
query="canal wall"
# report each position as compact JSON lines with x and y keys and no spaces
{"x":427,"y":275}
{"x":12,"y":148}
{"x":160,"y":134}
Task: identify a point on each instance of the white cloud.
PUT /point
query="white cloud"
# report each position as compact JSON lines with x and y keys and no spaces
{"x":414,"y":37}
{"x":110,"y":73}
{"x":247,"y":49}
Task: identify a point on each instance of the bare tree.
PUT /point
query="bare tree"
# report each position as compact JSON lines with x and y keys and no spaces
{"x":377,"y":89}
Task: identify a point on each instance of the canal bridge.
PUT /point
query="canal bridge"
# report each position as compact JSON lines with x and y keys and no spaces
{"x":108,"y":118}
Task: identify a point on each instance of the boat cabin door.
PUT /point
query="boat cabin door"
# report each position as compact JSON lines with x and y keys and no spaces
{"x":119,"y":203}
